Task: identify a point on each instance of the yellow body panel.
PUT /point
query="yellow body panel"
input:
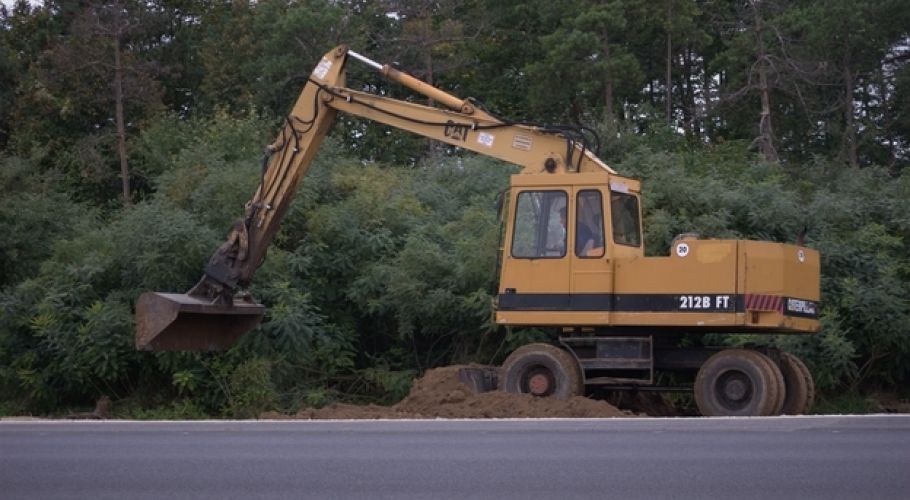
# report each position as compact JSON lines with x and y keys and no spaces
{"x":771,"y":268}
{"x":702,"y":285}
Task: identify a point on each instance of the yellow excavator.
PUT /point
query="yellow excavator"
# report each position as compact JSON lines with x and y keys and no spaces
{"x":572,"y":259}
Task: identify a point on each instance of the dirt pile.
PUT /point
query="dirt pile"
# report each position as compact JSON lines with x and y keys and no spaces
{"x":439,"y":394}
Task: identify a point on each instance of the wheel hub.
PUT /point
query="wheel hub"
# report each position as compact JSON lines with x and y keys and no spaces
{"x":539,"y":384}
{"x":735,"y":390}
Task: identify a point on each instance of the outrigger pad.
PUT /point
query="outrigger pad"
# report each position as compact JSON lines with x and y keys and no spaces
{"x":180,"y":322}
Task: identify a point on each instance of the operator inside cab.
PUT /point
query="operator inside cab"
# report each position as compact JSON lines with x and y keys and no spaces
{"x":589,"y":224}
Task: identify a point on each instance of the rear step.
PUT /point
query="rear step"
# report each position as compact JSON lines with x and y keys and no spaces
{"x":181,"y":322}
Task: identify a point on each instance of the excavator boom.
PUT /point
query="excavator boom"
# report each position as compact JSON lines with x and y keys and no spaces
{"x":209,"y":317}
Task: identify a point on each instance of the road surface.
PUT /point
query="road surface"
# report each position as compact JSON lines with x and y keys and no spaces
{"x":784,"y":457}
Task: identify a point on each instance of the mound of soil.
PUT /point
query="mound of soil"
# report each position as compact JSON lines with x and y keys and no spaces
{"x":439,"y":394}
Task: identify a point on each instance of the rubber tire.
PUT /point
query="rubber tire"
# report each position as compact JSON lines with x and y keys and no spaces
{"x":799,"y":383}
{"x":773,"y":371}
{"x":751,"y":367}
{"x":562,"y":367}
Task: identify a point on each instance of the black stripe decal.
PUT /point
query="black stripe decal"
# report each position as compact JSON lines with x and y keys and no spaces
{"x":620,"y":302}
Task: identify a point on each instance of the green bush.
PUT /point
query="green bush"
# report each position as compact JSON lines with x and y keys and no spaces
{"x":252,"y":391}
{"x":67,"y":333}
{"x":34,"y":213}
{"x":380,"y":272}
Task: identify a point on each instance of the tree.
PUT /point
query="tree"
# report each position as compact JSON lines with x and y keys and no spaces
{"x":112,"y":22}
{"x":8,"y":77}
{"x":852,"y":41}
{"x":765,"y":66}
{"x":428,"y":37}
{"x":91,"y":81}
{"x":24,"y":33}
{"x":765,"y":139}
{"x":664,"y":37}
{"x":588,"y":55}
{"x":898,"y":126}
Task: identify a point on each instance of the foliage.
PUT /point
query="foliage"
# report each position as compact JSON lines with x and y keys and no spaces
{"x":67,"y":332}
{"x":843,"y":404}
{"x":34,"y":213}
{"x":251,"y":389}
{"x":178,"y":409}
{"x":212,"y":174}
{"x":385,"y":264}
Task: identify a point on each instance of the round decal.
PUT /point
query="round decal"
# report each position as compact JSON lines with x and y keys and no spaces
{"x":801,"y":255}
{"x":682,"y":249}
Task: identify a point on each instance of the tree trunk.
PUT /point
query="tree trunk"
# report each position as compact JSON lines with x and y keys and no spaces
{"x":688,"y":93}
{"x":121,"y":125}
{"x":608,"y":89}
{"x":765,"y":131}
{"x":887,"y":122}
{"x":668,"y":79}
{"x":704,"y":122}
{"x":849,"y":128}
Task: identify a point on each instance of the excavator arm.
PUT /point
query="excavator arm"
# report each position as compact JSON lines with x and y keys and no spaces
{"x":212,"y":315}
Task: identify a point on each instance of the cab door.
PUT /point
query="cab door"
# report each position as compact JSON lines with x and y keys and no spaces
{"x":536,"y":268}
{"x":590,"y":261}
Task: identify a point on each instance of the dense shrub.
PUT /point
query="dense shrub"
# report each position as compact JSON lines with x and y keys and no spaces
{"x":382,"y":271}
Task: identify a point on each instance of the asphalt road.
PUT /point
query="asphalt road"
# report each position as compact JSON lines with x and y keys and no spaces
{"x":797,"y":457}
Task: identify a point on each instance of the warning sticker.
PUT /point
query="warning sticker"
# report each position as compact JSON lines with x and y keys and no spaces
{"x":486,"y":139}
{"x":522,"y":142}
{"x":619,"y":187}
{"x":322,"y":68}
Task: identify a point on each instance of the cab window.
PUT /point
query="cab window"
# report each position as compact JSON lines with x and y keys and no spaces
{"x":626,"y":227}
{"x":540,"y":228}
{"x":589,"y":224}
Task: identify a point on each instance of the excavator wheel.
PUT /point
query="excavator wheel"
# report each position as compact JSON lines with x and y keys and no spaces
{"x":800,"y":385}
{"x":739,"y":382}
{"x":774,"y":371}
{"x":541,"y":370}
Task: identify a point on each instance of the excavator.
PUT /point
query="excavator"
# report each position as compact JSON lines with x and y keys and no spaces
{"x":571,"y":260}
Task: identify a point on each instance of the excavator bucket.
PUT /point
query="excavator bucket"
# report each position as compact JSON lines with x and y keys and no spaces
{"x":180,"y":322}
